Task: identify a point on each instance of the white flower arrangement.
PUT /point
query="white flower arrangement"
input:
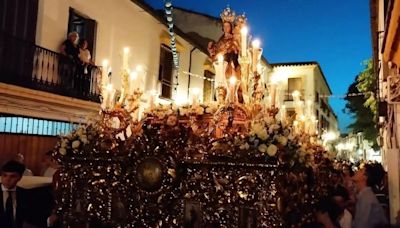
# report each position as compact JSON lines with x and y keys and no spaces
{"x":272,"y":150}
{"x":74,"y":141}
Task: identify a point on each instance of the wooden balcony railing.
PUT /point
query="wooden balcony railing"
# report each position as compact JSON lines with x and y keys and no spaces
{"x":28,"y":65}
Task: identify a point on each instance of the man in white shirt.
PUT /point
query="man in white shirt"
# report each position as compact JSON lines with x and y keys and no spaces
{"x":369,"y":212}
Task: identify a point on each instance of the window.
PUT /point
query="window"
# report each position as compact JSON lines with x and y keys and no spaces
{"x":293,"y":85}
{"x":85,"y":27}
{"x":34,"y":126}
{"x":316,"y":97}
{"x":165,"y":72}
{"x":208,"y":86}
{"x":291,"y":114}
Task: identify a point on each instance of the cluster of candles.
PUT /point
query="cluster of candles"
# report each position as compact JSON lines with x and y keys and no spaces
{"x":254,"y":55}
{"x":305,"y":121}
{"x":133,"y":82}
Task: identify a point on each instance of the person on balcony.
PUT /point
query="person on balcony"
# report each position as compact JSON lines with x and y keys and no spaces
{"x":85,"y":56}
{"x":69,"y":47}
{"x":86,"y":66}
{"x":69,"y":61}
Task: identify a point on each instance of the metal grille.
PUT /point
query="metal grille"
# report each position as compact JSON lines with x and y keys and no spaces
{"x":34,"y":126}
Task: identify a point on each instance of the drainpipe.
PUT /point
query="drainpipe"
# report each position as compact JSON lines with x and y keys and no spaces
{"x":190,"y":69}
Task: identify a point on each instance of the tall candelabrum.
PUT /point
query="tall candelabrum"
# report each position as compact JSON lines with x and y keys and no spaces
{"x":220,"y":83}
{"x":244,"y":62}
{"x":131,"y":83}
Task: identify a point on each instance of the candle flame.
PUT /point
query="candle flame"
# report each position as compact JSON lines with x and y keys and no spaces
{"x":256,"y":43}
{"x":232,"y":80}
{"x":296,"y":93}
{"x":109,"y":87}
{"x":133,"y":75}
{"x":244,"y":30}
{"x":153,"y":92}
{"x":139,"y":68}
{"x":105,"y":63}
{"x":220,"y":58}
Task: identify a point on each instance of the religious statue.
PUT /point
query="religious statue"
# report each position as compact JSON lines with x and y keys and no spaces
{"x":227,"y":45}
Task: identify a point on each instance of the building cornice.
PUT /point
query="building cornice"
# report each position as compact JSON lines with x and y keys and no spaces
{"x":22,"y":101}
{"x":309,"y":63}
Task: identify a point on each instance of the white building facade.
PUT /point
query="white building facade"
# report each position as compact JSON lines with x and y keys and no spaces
{"x":308,"y":79}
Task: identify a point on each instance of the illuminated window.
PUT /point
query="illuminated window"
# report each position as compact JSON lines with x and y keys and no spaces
{"x":34,"y":126}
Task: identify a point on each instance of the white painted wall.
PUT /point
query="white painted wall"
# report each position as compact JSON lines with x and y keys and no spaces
{"x":312,"y":80}
{"x":119,"y":24}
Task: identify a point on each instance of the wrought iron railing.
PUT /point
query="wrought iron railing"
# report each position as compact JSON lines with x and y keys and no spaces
{"x":25,"y":64}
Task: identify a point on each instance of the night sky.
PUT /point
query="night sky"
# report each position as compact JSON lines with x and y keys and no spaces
{"x":335,"y":33}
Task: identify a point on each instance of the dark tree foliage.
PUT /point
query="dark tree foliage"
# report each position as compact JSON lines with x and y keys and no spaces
{"x":362,"y":115}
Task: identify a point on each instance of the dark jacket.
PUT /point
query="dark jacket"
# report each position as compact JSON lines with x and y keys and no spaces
{"x":21,"y":210}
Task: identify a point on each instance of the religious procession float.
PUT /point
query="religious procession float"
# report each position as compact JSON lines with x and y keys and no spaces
{"x":238,"y":161}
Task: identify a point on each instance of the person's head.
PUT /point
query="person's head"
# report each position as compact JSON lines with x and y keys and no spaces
{"x":367,"y":176}
{"x":83,"y":43}
{"x":347,"y":171}
{"x":73,"y":37}
{"x":335,"y":176}
{"x":324,"y":206}
{"x":11,"y":173}
{"x":19,"y":158}
{"x":227,"y":27}
{"x":340,"y":197}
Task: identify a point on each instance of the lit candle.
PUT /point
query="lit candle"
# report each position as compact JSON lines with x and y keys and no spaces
{"x":256,"y":53}
{"x":273,"y":95}
{"x":152,"y":98}
{"x":313,"y":125}
{"x":104,"y":76}
{"x":219,"y":71}
{"x":133,"y":82}
{"x":274,"y":82}
{"x":255,"y":44}
{"x":232,"y":87}
{"x":112,"y":99}
{"x":125,"y":58}
{"x":195,"y":96}
{"x":295,"y":126}
{"x":141,"y":76}
{"x":259,"y":68}
{"x":243,"y":33}
{"x":110,"y":96}
{"x":220,"y":58}
{"x":309,"y":108}
{"x":283,"y":113}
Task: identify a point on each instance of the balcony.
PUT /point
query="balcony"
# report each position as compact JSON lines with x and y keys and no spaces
{"x":288,"y":95}
{"x":28,"y":65}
